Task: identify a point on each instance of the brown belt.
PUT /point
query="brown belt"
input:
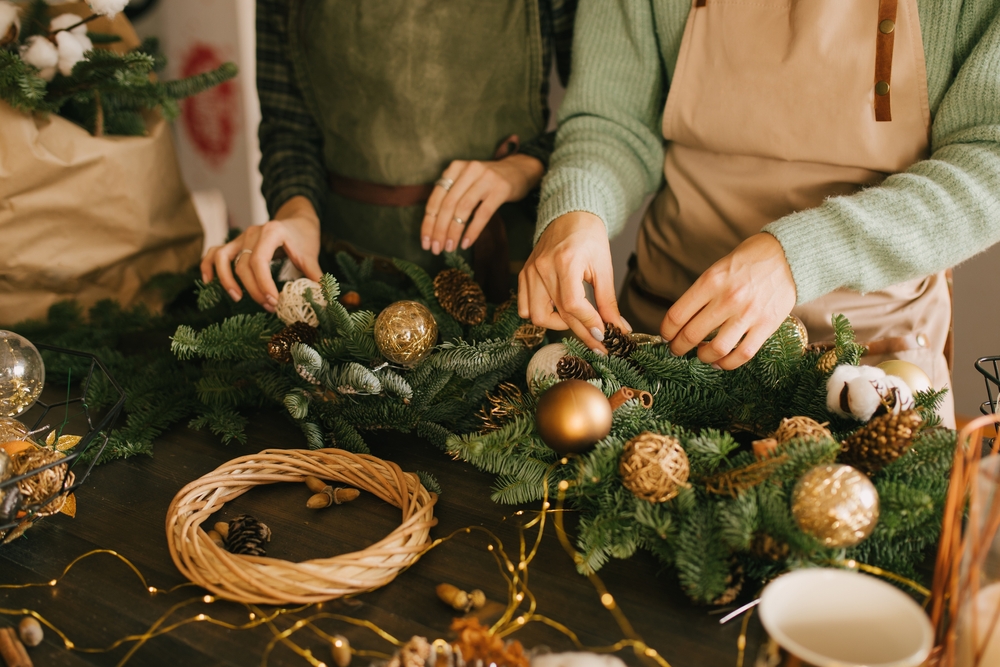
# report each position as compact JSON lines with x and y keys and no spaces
{"x":490,"y":253}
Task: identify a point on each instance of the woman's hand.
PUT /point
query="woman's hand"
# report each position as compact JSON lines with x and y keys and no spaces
{"x":746,"y":295}
{"x":474,"y":186}
{"x":295,"y":228}
{"x":572,"y":250}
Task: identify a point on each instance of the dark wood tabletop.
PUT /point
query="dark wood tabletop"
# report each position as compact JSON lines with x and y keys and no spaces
{"x":123,"y":505}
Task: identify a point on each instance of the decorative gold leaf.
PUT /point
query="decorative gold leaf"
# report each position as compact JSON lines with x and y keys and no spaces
{"x":51,"y":438}
{"x":67,"y":442}
{"x":69,"y":507}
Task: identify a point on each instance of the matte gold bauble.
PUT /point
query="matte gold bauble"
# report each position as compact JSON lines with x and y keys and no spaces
{"x":914,"y":376}
{"x":836,"y":504}
{"x":573,"y":415}
{"x":542,"y":365}
{"x":405,"y":332}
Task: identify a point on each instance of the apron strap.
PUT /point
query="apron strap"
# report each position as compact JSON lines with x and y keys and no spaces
{"x":884,"y":40}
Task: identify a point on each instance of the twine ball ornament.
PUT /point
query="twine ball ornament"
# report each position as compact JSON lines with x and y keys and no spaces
{"x":292,"y":305}
{"x":573,"y":415}
{"x":264,"y":580}
{"x":800,"y":427}
{"x":22,"y":374}
{"x":914,"y":376}
{"x":836,"y":504}
{"x":654,"y":467}
{"x":543,"y":365}
{"x":405,"y":332}
{"x":43,"y":485}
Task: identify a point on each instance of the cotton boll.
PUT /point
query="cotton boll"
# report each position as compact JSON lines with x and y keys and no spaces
{"x":855,"y":391}
{"x":70,"y":52}
{"x":64,"y":21}
{"x":85,"y":43}
{"x":863,"y":397}
{"x":897,"y":394}
{"x":576,"y":659}
{"x":107,"y":8}
{"x":835,"y":387}
{"x":40,"y":52}
{"x":10,"y":22}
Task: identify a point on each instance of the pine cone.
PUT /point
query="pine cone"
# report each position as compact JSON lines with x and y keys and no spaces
{"x":734,"y":584}
{"x":766,"y":547}
{"x":574,"y":368}
{"x":618,"y":342}
{"x":247,"y":536}
{"x":881,"y":441}
{"x":460,"y":296}
{"x":828,"y":361}
{"x":279,"y":347}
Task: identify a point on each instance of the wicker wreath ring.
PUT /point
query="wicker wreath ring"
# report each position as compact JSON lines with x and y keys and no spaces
{"x":262,"y":580}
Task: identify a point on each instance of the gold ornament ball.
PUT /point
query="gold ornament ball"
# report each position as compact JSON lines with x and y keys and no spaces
{"x":22,"y":374}
{"x":914,"y":376}
{"x":836,"y":504}
{"x":801,"y":331}
{"x":573,"y":415}
{"x":405,"y":332}
{"x":654,"y":467}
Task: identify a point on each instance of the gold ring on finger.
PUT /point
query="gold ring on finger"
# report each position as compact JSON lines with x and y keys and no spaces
{"x":239,"y":256}
{"x":457,"y":220}
{"x":445,"y":183}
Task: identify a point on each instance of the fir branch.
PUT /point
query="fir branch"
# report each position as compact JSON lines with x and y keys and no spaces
{"x":20,"y":85}
{"x":198,"y":83}
{"x":209,"y":295}
{"x":420,"y":278}
{"x":454,"y":260}
{"x":226,"y":423}
{"x":429,"y":482}
{"x":435,"y":434}
{"x":469,"y":361}
{"x":238,"y":337}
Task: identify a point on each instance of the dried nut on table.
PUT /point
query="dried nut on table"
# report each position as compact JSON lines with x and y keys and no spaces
{"x":216,"y":538}
{"x":30,"y":631}
{"x":222,"y":528}
{"x":331,"y":496}
{"x":458,"y":599}
{"x":12,"y":650}
{"x":341,"y":650}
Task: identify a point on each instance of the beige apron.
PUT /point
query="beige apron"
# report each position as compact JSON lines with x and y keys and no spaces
{"x":773,"y":108}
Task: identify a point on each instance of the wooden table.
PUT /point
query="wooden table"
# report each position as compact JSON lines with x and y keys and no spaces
{"x":122,"y":507}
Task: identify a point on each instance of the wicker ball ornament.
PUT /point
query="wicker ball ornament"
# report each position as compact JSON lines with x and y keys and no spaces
{"x":836,"y":504}
{"x":573,"y":415}
{"x":405,"y":332}
{"x":293,"y":306}
{"x":41,"y":487}
{"x":543,"y":365}
{"x":654,"y":467}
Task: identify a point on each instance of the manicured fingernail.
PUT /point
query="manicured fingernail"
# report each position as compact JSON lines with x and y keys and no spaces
{"x":272,"y":300}
{"x":466,"y":243}
{"x":436,"y":247}
{"x":670,"y":349}
{"x":449,"y":245}
{"x":598,"y":351}
{"x":628,"y":327}
{"x":717,"y":367}
{"x":235,"y":294}
{"x":425,"y":242}
{"x":597,"y":333}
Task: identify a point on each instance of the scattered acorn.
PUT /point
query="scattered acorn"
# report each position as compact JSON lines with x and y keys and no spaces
{"x":325,"y":495}
{"x":341,"y":650}
{"x":217,"y":538}
{"x":458,"y":599}
{"x":30,"y":631}
{"x":222,"y":528}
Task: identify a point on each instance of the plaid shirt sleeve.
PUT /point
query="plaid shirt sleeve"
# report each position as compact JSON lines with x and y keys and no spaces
{"x":291,"y":143}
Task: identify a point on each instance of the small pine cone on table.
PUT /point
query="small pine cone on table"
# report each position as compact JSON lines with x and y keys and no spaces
{"x":574,"y":368}
{"x":460,"y":296}
{"x":279,"y":347}
{"x":247,"y":536}
{"x":881,"y":441}
{"x":618,"y":343}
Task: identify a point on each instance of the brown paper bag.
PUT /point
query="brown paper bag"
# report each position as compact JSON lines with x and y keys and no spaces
{"x":85,"y":217}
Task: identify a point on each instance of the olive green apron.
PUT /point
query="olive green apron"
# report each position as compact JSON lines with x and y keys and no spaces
{"x":400,"y":89}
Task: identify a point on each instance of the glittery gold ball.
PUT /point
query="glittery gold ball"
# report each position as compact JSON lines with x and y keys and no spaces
{"x":914,"y":376}
{"x":800,"y":329}
{"x":836,"y":504}
{"x":405,"y":332}
{"x":22,"y":374}
{"x":573,"y":415}
{"x":654,"y":467}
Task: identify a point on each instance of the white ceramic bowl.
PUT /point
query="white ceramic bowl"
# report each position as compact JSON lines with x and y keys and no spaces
{"x":837,"y":618}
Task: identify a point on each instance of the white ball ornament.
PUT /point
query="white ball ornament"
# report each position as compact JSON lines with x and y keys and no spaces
{"x":292,"y":305}
{"x":542,"y":366}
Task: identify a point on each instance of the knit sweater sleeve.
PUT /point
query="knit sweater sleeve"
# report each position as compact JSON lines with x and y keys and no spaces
{"x":934,"y":215}
{"x":291,"y":143}
{"x":609,"y":149}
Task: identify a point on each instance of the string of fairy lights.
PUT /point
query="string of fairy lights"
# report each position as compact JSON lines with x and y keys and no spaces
{"x":520,"y":610}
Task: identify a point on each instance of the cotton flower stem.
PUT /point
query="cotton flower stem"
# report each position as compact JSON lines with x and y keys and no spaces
{"x":98,"y":115}
{"x":76,"y":25}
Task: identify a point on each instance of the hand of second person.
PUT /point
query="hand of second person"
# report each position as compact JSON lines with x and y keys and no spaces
{"x":295,"y":228}
{"x":572,"y":250}
{"x":474,"y":190}
{"x":746,"y":295}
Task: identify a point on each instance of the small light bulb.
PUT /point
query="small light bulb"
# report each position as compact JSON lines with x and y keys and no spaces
{"x":519,"y":597}
{"x":489,"y":548}
{"x":520,"y":620}
{"x":201,"y":617}
{"x":208,"y":599}
{"x":563,"y":485}
{"x":152,"y":590}
{"x":252,"y":616}
{"x":607,"y":600}
{"x":53,"y":582}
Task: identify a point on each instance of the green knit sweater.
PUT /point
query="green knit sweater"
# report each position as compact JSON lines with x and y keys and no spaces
{"x":941,"y":211}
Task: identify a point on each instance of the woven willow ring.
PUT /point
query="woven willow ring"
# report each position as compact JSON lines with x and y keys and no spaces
{"x":254,"y":579}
